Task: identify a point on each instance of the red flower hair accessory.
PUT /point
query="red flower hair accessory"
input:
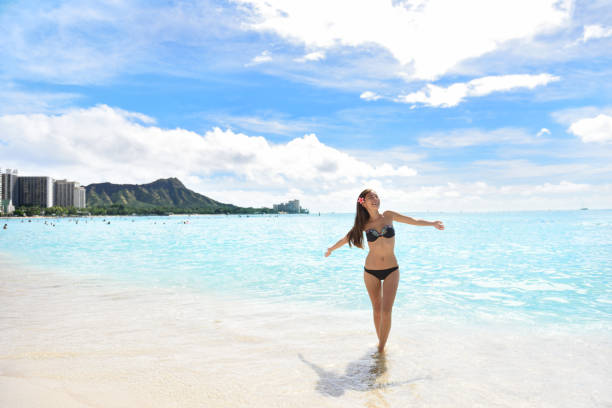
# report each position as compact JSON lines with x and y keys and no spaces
{"x":361,"y":200}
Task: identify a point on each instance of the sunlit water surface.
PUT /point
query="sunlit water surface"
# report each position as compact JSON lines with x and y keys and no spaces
{"x":528,"y":266}
{"x":504,"y":309}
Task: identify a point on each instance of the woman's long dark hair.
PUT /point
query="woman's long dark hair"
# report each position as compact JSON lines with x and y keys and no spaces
{"x":355,"y":235}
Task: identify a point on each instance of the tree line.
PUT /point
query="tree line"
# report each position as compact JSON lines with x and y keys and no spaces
{"x":120,"y":209}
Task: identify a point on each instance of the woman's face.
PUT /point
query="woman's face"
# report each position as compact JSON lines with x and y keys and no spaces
{"x":371,"y":200}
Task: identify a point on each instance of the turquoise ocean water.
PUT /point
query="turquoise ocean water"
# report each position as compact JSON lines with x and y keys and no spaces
{"x":533,"y":267}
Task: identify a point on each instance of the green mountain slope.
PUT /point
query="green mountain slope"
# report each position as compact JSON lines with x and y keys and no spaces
{"x":170,"y":193}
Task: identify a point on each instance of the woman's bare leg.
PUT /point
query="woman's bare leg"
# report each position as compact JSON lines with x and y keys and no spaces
{"x":389,"y":289}
{"x":373,"y":285}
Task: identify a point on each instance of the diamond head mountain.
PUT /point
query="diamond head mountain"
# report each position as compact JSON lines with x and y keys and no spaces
{"x":169,"y":194}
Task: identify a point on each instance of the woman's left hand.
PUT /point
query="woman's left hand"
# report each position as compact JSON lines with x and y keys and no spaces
{"x":438,"y":225}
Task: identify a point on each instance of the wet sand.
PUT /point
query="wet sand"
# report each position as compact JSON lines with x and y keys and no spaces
{"x":87,"y":341}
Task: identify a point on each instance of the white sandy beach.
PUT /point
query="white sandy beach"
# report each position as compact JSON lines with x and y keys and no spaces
{"x":89,"y":342}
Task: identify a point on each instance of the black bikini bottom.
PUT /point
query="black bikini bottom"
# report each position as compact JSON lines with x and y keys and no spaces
{"x":381,"y":273}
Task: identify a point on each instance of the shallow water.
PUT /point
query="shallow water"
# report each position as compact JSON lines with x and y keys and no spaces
{"x":533,"y":267}
{"x":498,"y":310}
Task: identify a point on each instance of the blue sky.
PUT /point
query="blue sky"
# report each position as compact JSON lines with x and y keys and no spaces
{"x":438,"y":105}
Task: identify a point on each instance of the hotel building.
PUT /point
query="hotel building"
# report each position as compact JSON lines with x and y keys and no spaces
{"x":68,"y":194}
{"x":35,"y":191}
{"x":292,"y":207}
{"x":42,"y":192}
{"x":8,"y":191}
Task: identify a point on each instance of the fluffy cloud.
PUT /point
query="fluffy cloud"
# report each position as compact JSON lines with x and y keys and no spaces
{"x":107,"y":144}
{"x":596,"y":31}
{"x":432,"y":36}
{"x":370,"y":96}
{"x":568,"y":116}
{"x":312,"y":56}
{"x":596,"y":129}
{"x":437,"y":96}
{"x":482,"y":196}
{"x":370,"y":43}
{"x":543,"y":131}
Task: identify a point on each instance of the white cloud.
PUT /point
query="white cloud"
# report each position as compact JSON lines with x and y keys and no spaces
{"x":472,"y":137}
{"x":107,"y":144}
{"x":484,"y":196}
{"x":437,"y":96}
{"x":521,"y":169}
{"x":88,"y":41}
{"x":397,"y":154}
{"x":84,"y":42}
{"x":410,"y":32}
{"x":313,"y":56}
{"x":267,"y":123}
{"x":450,"y":196}
{"x":543,"y":131}
{"x":568,"y":116}
{"x":596,"y":31}
{"x":261,"y":58}
{"x":370,"y":96}
{"x":596,"y":129}
{"x":564,"y":187}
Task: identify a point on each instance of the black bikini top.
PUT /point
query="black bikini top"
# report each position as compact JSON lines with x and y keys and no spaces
{"x":387,"y":232}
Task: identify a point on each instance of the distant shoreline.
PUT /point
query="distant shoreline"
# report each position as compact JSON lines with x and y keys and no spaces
{"x":4,"y":217}
{"x":130,"y":215}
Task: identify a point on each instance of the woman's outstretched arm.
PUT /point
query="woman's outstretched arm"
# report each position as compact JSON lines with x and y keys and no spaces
{"x":337,"y":245}
{"x":409,"y":220}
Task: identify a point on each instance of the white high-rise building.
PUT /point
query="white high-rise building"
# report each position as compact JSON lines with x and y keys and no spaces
{"x":8,"y":191}
{"x":80,"y":194}
{"x":38,"y":191}
{"x":292,"y":207}
{"x":68,"y":194}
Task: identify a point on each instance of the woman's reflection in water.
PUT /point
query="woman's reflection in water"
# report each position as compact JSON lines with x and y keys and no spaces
{"x":365,"y":374}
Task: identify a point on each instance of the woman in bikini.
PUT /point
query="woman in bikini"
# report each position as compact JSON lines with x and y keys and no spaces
{"x":380,"y":263}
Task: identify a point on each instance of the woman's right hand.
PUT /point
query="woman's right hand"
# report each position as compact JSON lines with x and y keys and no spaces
{"x":328,"y":253}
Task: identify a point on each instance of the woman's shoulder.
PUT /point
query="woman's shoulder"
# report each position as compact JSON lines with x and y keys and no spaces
{"x":388,"y":215}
